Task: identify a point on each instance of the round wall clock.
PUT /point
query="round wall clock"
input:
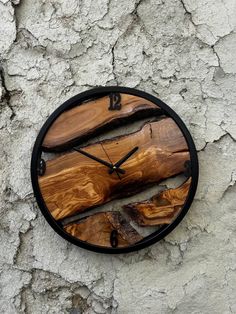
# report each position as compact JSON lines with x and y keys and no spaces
{"x":114,"y":170}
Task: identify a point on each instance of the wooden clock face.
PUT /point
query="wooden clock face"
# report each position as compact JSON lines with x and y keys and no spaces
{"x":114,"y":170}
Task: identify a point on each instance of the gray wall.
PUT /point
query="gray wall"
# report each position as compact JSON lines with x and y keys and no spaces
{"x":183,"y":52}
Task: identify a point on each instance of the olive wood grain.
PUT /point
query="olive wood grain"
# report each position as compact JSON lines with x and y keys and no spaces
{"x":73,"y":183}
{"x":162,"y":208}
{"x":76,"y":124}
{"x":97,"y":228}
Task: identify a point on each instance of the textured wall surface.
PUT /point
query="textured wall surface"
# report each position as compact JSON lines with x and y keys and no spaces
{"x":184,"y":52}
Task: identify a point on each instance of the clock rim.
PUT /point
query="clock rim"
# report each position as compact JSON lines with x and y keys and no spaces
{"x":78,"y":100}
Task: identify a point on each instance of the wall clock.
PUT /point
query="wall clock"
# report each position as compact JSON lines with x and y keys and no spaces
{"x":114,"y":170}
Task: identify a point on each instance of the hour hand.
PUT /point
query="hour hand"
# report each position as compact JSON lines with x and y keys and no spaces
{"x":123,"y":159}
{"x":101,"y":161}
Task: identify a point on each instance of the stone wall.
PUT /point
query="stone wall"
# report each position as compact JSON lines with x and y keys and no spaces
{"x":182,"y":51}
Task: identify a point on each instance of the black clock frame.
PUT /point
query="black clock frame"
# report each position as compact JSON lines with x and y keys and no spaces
{"x":79,"y":99}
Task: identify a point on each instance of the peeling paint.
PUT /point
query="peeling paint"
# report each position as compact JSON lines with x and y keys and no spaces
{"x":183,"y":51}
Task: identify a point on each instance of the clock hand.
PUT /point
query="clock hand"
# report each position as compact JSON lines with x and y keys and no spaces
{"x":117,"y":172}
{"x":107,"y":164}
{"x":122,"y":160}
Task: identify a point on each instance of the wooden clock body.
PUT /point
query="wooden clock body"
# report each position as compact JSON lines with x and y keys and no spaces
{"x":76,"y":192}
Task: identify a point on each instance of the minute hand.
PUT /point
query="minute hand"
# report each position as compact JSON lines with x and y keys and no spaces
{"x":109,"y":165}
{"x":122,"y":160}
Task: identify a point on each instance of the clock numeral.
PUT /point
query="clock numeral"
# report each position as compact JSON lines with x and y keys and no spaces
{"x":187,"y":170}
{"x":113,"y":238}
{"x":41,"y":167}
{"x":115,"y":99}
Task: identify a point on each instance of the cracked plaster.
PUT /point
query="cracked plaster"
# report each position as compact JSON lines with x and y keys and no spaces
{"x":183,"y":51}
